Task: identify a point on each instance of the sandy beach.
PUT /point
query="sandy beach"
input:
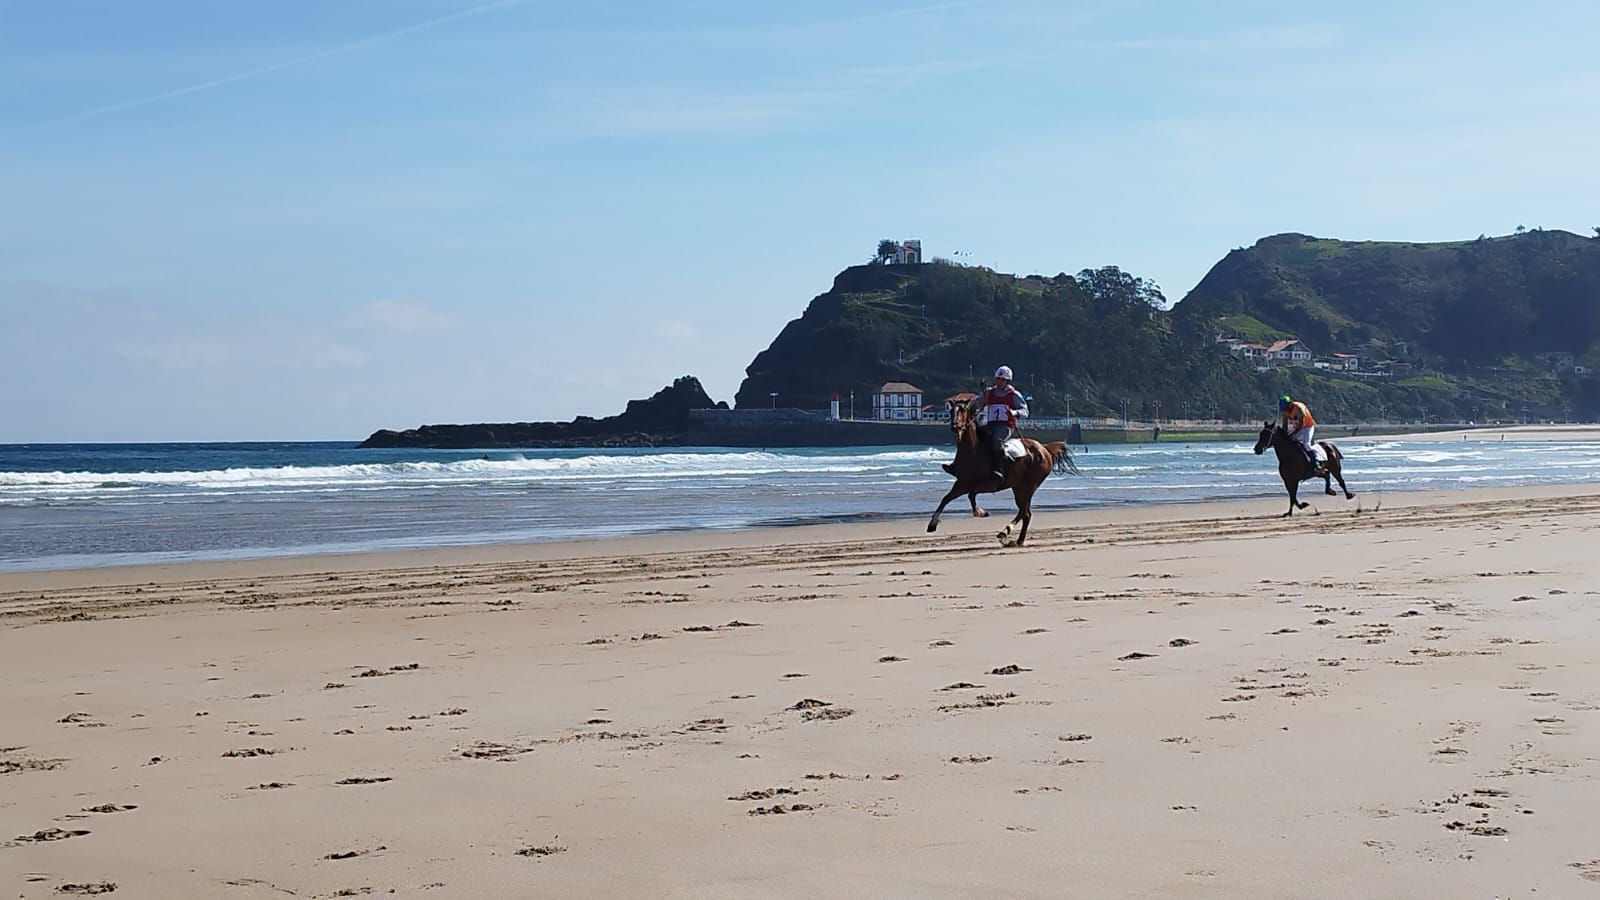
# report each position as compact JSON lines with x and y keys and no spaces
{"x":1399,"y":697}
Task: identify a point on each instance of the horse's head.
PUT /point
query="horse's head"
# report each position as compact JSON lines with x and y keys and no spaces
{"x":1265,"y":440}
{"x":960,"y":417}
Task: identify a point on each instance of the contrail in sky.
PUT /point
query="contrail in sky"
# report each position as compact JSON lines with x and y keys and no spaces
{"x":269,"y":69}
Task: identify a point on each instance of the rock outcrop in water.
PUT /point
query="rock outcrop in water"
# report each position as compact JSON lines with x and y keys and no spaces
{"x":658,"y":421}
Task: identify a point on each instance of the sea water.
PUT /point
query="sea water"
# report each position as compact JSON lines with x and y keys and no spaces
{"x":69,"y":505}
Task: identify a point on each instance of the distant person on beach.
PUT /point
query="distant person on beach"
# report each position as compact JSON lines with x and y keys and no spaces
{"x":1002,"y":404}
{"x":1297,"y":420}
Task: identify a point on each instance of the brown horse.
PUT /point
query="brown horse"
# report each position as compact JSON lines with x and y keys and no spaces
{"x":974,"y":475}
{"x":1293,"y":468}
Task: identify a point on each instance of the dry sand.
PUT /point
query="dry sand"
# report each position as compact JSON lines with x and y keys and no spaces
{"x":1200,"y":701}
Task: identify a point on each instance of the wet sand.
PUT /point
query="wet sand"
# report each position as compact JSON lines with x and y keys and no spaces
{"x":1397,"y":697}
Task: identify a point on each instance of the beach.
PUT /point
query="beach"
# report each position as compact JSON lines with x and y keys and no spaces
{"x":1396,"y":697}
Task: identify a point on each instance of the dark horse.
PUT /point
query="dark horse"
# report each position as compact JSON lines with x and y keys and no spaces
{"x":974,"y":475}
{"x":1293,"y":467}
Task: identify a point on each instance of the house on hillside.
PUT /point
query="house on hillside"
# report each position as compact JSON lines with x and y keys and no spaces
{"x":1256,"y":353}
{"x":897,"y":401}
{"x":1289,"y":352}
{"x":1348,"y":362}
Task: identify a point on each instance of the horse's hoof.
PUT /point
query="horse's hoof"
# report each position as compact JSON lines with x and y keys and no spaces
{"x":932,"y":528}
{"x":1349,"y":496}
{"x":1304,"y":505}
{"x":1331,"y":493}
{"x":981,"y":514}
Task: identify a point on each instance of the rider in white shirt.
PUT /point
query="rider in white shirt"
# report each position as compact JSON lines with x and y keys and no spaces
{"x":1002,"y":405}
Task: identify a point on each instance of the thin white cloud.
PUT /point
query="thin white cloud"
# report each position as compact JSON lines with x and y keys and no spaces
{"x":248,"y":74}
{"x":404,"y":316}
{"x":676,"y":330}
{"x":634,"y":110}
{"x":180,"y":354}
{"x":1269,"y":39}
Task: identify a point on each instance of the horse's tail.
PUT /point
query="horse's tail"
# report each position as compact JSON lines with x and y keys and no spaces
{"x":1061,"y":457}
{"x":1334,"y":456}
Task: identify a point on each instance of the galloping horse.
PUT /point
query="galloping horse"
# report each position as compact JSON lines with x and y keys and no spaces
{"x":1293,"y":468}
{"x":975,"y":476}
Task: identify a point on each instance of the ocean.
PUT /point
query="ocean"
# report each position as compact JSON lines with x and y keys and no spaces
{"x":75,"y":505}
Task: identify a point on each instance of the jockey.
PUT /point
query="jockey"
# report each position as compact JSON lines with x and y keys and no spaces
{"x":1002,"y":404}
{"x":1300,"y":425}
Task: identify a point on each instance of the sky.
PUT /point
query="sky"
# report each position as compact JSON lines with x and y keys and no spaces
{"x":308,"y":219}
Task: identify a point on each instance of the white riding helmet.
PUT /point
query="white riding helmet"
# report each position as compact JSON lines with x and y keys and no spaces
{"x":1003,"y":372}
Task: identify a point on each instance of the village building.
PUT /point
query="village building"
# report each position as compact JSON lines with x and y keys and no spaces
{"x":897,"y":401}
{"x":1289,"y":352}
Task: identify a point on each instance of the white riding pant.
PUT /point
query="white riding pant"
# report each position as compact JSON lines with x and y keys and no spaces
{"x":1305,"y":435}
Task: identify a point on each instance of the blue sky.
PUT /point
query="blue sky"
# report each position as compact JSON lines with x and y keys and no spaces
{"x":313,"y":218}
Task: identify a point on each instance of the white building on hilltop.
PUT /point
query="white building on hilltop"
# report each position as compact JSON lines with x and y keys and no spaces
{"x":907,"y":253}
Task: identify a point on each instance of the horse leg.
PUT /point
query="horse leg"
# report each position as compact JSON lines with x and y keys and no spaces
{"x":1024,"y":498}
{"x":1327,"y":483}
{"x":977,"y":511}
{"x":958,"y":490}
{"x":1294,"y":497}
{"x":1338,"y":472}
{"x":1005,"y":533}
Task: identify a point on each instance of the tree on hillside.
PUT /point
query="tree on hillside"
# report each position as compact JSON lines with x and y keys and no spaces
{"x":1110,"y":286}
{"x":886,"y":249}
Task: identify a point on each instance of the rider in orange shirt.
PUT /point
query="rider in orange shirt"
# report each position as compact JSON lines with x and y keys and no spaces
{"x":1299,"y":423}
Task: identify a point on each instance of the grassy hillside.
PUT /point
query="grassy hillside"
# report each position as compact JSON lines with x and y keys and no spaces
{"x":1477,"y":329}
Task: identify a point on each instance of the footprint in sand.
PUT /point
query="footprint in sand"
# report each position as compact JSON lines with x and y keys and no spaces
{"x":891,"y":659}
{"x":270,"y":786}
{"x":764,"y":794}
{"x":1012,"y":669}
{"x":542,"y":851}
{"x":48,"y":835}
{"x":361,"y":780}
{"x":249,"y":752}
{"x":1589,"y":871}
{"x":29,"y":764}
{"x":352,"y":854}
{"x":108,"y":808}
{"x":779,"y":809}
{"x":88,"y":889}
